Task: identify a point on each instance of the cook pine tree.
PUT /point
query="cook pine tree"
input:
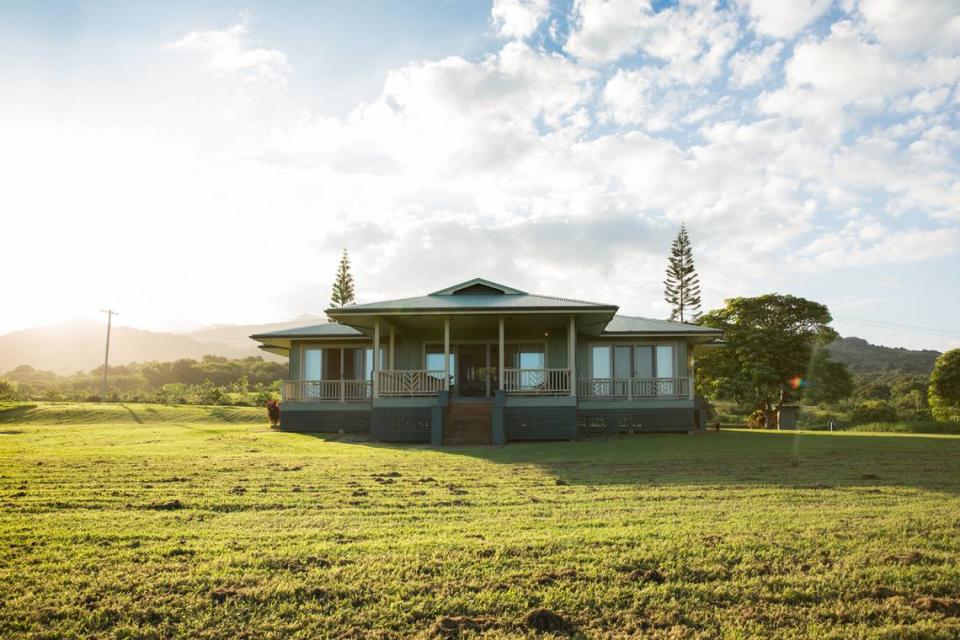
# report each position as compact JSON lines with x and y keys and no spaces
{"x":343,"y":284}
{"x":682,"y":286}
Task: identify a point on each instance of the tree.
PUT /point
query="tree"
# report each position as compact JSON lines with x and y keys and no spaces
{"x":682,"y":286}
{"x":343,"y":285}
{"x":945,"y":386}
{"x":771,"y":340}
{"x":826,"y":380}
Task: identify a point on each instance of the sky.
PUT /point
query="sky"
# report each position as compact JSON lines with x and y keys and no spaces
{"x":191,"y":165}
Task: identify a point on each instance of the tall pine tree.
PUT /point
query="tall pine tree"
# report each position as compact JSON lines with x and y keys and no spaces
{"x":343,"y":284}
{"x":682,"y":286}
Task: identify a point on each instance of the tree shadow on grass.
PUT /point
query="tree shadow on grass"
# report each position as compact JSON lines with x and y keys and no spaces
{"x":814,"y":461}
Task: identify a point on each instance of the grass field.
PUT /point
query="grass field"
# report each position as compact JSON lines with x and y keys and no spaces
{"x":131,"y":521}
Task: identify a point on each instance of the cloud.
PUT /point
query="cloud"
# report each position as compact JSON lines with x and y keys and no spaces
{"x":750,"y":67}
{"x":232,"y":51}
{"x":518,"y":18}
{"x":691,"y":40}
{"x":914,"y":25}
{"x":559,"y":165}
{"x":781,"y":19}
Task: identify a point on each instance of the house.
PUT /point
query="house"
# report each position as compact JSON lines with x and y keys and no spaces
{"x":480,"y":362}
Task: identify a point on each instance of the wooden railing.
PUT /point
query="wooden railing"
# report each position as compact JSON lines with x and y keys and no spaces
{"x":549,"y":382}
{"x":633,"y":388}
{"x":326,"y":390}
{"x":411,"y":382}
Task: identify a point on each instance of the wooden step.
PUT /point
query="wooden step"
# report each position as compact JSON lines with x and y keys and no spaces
{"x":468,"y":423}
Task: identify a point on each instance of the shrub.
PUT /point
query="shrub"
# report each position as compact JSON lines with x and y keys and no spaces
{"x":873,"y":411}
{"x":273,"y":412}
{"x":945,"y":386}
{"x":757,"y":420}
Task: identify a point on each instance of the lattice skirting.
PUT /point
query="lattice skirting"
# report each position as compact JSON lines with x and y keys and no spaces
{"x":401,"y":425}
{"x":608,"y":421}
{"x":540,"y":423}
{"x":325,"y":421}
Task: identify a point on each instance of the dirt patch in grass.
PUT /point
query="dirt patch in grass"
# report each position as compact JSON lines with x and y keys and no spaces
{"x":221,"y":594}
{"x":646,"y":575}
{"x":541,"y":619}
{"x":907,"y":559}
{"x":450,"y":627}
{"x":165,"y":505}
{"x":946,"y":606}
{"x":869,"y":476}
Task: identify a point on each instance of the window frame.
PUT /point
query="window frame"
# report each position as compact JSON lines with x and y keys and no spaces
{"x":674,"y":346}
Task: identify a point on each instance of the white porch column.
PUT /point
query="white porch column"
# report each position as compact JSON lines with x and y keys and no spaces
{"x":343,"y":375}
{"x":572,"y":354}
{"x":376,"y":358}
{"x":391,"y":367}
{"x":446,"y":353}
{"x":500,"y":355}
{"x":690,"y":371}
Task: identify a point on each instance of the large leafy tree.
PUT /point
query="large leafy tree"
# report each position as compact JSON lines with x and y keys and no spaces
{"x":343,"y":284}
{"x":682,"y":286}
{"x":771,"y":341}
{"x":945,"y":386}
{"x":826,"y":380}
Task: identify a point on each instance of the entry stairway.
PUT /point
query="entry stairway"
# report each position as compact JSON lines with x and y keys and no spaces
{"x":468,"y":422}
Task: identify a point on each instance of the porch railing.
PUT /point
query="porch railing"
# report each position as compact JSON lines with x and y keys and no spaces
{"x":326,"y":390}
{"x":411,"y":382}
{"x":633,"y":388}
{"x":550,"y":382}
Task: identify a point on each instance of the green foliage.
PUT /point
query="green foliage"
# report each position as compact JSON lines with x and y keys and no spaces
{"x":343,"y":284}
{"x":682,"y":286}
{"x":826,"y":381}
{"x":945,"y":386}
{"x":143,"y":521}
{"x":861,"y":357}
{"x":873,"y":411}
{"x":771,"y":340}
{"x":212,"y":380}
{"x":7,"y":391}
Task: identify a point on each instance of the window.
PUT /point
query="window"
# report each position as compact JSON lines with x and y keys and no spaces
{"x":664,"y":360}
{"x":632,"y":361}
{"x":435,"y":361}
{"x":600,"y":357}
{"x":643,"y":361}
{"x":313,"y":364}
{"x":621,"y":361}
{"x":323,"y":363}
{"x":524,"y":356}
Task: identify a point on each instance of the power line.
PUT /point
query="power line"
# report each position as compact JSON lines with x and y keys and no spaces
{"x":106,"y":356}
{"x":893,"y":325}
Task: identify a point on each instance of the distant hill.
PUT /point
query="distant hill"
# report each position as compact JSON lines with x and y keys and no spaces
{"x":862,"y":357}
{"x":70,"y":347}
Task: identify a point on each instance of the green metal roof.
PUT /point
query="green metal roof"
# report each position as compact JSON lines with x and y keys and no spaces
{"x":635,"y":324}
{"x":474,"y":295}
{"x":477,"y":282}
{"x":325,"y":330}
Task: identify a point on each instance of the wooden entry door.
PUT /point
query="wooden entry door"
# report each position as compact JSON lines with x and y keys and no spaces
{"x":476,"y":377}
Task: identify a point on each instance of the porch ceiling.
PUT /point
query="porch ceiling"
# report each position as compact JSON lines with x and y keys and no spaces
{"x":591,"y":323}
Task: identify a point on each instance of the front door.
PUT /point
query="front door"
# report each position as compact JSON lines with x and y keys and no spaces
{"x":472,"y":374}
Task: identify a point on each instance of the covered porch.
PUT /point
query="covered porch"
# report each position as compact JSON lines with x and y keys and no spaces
{"x":468,"y":356}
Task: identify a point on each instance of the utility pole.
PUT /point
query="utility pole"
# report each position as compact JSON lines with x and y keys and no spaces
{"x":106,"y":357}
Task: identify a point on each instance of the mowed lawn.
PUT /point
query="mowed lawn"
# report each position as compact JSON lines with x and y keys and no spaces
{"x":132,"y":521}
